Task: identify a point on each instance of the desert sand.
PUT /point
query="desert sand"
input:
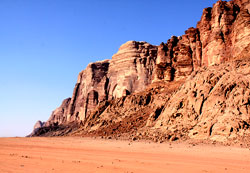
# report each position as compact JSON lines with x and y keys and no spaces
{"x":70,"y":154}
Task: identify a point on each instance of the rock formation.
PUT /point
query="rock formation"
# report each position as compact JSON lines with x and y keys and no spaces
{"x":90,"y":89}
{"x":130,"y":70}
{"x":213,"y":103}
{"x":39,"y":124}
{"x":221,"y":34}
{"x":60,"y":114}
{"x":110,"y":93}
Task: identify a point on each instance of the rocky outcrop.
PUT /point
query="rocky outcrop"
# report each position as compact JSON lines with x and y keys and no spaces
{"x":90,"y":89}
{"x":214,"y":103}
{"x":211,"y":104}
{"x":122,"y":117}
{"x":243,"y":4}
{"x":221,"y":34}
{"x":39,"y":124}
{"x":131,"y":68}
{"x":60,"y":114}
{"x":111,"y":94}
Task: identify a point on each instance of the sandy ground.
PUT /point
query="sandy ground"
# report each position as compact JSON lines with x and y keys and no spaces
{"x":96,"y":155}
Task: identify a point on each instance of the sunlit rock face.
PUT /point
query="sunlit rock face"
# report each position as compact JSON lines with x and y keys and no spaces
{"x":131,"y":68}
{"x":224,"y":31}
{"x":214,"y":103}
{"x":179,"y":56}
{"x":222,"y":34}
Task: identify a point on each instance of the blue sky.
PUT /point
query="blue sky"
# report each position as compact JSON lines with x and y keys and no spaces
{"x":44,"y":44}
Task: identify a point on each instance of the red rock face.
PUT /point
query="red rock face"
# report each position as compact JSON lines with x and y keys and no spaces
{"x":222,"y":34}
{"x":224,"y":31}
{"x":229,"y":25}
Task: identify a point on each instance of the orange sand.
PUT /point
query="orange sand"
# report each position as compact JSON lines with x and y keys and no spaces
{"x":95,"y":155}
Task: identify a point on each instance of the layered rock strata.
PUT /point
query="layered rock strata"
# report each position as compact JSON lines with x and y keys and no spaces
{"x":130,"y":70}
{"x":221,"y":35}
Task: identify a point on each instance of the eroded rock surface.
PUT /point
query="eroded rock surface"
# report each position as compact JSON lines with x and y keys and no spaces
{"x":90,"y":89}
{"x":221,"y":34}
{"x":131,"y":68}
{"x":110,"y":94}
{"x":214,"y":103}
{"x":59,"y":115}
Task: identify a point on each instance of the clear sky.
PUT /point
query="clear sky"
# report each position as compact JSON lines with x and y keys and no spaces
{"x":44,"y":44}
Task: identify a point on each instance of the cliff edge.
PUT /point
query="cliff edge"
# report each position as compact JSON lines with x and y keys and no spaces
{"x":184,"y":88}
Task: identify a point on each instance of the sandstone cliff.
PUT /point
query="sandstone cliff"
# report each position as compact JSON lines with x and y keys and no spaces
{"x":221,"y":34}
{"x":112,"y":91}
{"x":130,"y":70}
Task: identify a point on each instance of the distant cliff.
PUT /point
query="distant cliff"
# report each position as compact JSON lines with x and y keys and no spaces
{"x":221,"y":35}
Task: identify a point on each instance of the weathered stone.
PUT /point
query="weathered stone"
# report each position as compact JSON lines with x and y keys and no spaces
{"x":213,"y":103}
{"x":221,"y":34}
{"x":131,"y":68}
{"x":90,"y":89}
{"x":124,"y":93}
{"x":59,"y":115}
